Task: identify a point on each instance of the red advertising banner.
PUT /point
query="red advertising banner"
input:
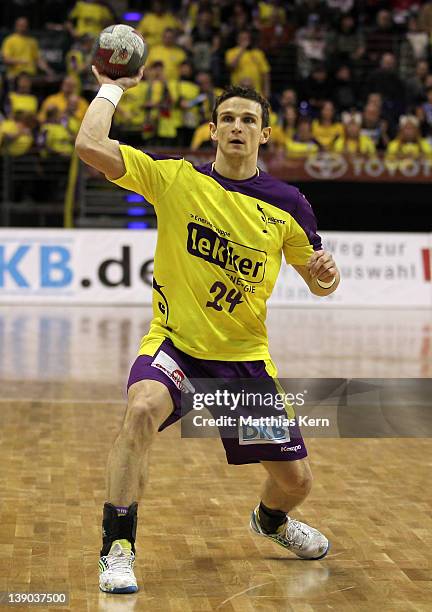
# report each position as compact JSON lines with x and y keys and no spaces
{"x":330,"y":167}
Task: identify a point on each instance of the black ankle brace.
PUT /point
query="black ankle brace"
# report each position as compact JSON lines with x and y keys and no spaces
{"x":116,"y":527}
{"x":270,"y":519}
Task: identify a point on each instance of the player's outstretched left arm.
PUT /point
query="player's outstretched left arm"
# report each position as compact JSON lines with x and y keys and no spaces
{"x":320,"y":273}
{"x":93,"y":144}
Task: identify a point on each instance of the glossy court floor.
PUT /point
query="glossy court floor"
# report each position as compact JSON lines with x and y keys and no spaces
{"x":62,"y":374}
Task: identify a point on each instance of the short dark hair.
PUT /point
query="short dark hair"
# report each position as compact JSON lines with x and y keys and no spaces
{"x":248,"y":94}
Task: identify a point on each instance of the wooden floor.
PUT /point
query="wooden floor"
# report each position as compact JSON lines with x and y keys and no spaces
{"x":62,"y":374}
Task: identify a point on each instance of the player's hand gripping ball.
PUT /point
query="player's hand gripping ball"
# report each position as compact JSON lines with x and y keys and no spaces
{"x":119,"y":51}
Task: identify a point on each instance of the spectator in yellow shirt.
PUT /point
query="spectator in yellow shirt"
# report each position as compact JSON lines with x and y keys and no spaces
{"x":325,"y":130}
{"x":60,"y":100}
{"x":78,"y":63}
{"x":303,"y":143}
{"x":138,"y":107}
{"x":271,"y":12}
{"x":147,"y":109}
{"x":409,"y":142}
{"x":90,"y":17}
{"x":246,"y":61}
{"x":353,"y":141}
{"x":184,"y":93}
{"x":69,"y":119}
{"x":207,"y":95}
{"x":21,"y":52}
{"x":56,"y":145}
{"x":201,"y":138}
{"x":16,"y":138}
{"x":21,"y":99}
{"x":155,"y":22}
{"x":54,"y":137}
{"x":284,"y":131}
{"x":169,"y":53}
{"x":132,"y":108}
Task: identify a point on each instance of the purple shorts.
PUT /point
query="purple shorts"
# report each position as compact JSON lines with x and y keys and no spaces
{"x":171,"y":367}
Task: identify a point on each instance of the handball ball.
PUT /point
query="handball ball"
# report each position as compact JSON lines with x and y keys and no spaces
{"x":119,"y":51}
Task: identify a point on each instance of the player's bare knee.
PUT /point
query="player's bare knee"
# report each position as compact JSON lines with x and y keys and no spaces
{"x":299,"y":481}
{"x":143,"y":416}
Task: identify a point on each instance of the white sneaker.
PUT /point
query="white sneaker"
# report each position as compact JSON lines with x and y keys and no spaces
{"x":116,"y":569}
{"x":304,"y":541}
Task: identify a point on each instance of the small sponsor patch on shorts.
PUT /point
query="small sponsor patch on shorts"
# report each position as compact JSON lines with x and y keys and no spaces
{"x":168,"y":366}
{"x":254,"y":434}
{"x":291,"y":449}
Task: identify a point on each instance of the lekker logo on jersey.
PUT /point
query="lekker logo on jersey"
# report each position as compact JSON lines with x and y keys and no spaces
{"x":249,"y":263}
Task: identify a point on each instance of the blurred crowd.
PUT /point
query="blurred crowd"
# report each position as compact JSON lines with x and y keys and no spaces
{"x":342,"y":75}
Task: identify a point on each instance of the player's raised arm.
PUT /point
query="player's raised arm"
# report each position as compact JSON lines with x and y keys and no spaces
{"x":93,"y":144}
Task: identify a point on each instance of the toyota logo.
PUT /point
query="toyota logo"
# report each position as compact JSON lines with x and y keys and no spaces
{"x":326,"y":166}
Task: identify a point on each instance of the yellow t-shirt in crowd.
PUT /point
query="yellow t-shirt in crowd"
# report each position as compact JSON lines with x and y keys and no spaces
{"x":90,"y":17}
{"x":363,"y":146}
{"x":130,"y":111}
{"x":73,"y":125}
{"x":268,"y":12}
{"x":253,"y":65}
{"x":25,"y":103}
{"x":56,"y":138}
{"x":23,"y":48}
{"x":152,"y":27}
{"x":20,"y":145}
{"x":201,"y":136}
{"x":218,"y":254}
{"x":59,"y":100}
{"x":171,"y":57}
{"x":396,"y":148}
{"x":326,"y":134}
{"x":296,"y":149}
{"x":279,"y":134}
{"x":187,"y":91}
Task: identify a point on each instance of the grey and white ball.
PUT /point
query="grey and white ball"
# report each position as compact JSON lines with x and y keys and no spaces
{"x":119,"y":51}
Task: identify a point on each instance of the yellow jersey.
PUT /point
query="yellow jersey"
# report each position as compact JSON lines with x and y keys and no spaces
{"x":326,"y":134}
{"x":56,"y":138}
{"x":171,"y":57}
{"x":23,"y":48}
{"x":363,"y":146}
{"x":24,"y":103}
{"x":187,"y":91}
{"x":60,"y":101}
{"x":396,"y":148}
{"x":152,"y":26}
{"x":218,"y":254}
{"x":297,"y":149}
{"x":91,"y":18}
{"x":253,"y":65}
{"x":201,"y":136}
{"x":21,"y":142}
{"x":279,"y":135}
{"x":132,"y":111}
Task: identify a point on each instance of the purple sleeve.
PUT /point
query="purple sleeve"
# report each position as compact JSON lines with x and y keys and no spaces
{"x":305,"y":217}
{"x":302,"y":238}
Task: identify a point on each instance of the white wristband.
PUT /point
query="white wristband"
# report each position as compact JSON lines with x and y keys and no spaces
{"x":324,"y":285}
{"x":110,"y":92}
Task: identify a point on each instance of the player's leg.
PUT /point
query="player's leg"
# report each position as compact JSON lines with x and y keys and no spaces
{"x":154,"y":402}
{"x":149,"y":405}
{"x":287,"y":485}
